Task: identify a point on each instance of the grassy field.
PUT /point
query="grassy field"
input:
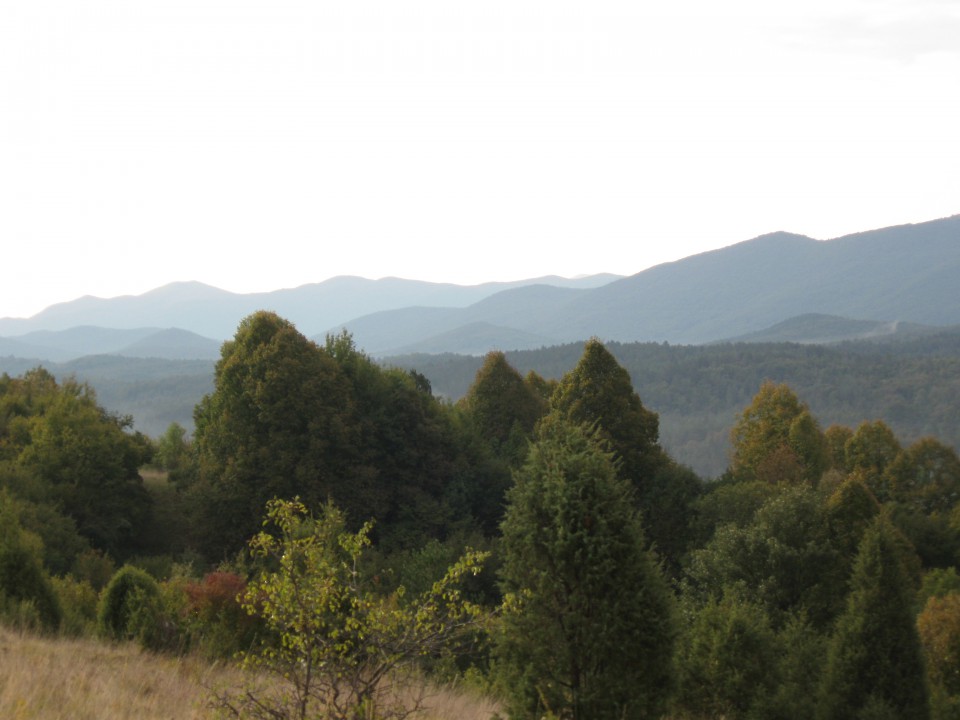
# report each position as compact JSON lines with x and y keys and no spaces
{"x":59,"y":678}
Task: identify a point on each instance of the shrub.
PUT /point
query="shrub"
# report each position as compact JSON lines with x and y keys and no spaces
{"x":219,"y":626}
{"x":78,"y":600}
{"x":123,"y":602}
{"x":26,"y":596}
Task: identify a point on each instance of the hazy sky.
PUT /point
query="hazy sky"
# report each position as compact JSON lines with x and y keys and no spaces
{"x":259,"y":145}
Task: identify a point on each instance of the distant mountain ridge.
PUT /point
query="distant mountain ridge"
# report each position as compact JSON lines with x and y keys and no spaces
{"x":904,"y":275}
{"x":901,"y":274}
{"x":314,"y":308}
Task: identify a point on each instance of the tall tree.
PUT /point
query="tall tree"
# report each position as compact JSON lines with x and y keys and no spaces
{"x":503,"y":407}
{"x":414,"y":468}
{"x":777,"y":440}
{"x":275,"y":426}
{"x":869,"y":452}
{"x":598,"y":391}
{"x":926,"y":476}
{"x":590,"y":630}
{"x":874,"y":662}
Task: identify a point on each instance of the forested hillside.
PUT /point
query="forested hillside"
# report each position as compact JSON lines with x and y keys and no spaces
{"x":697,"y":390}
{"x":911,"y":382}
{"x":352,"y":537}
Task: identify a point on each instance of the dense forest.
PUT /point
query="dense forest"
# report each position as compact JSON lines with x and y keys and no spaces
{"x":697,"y":390}
{"x":333,"y":522}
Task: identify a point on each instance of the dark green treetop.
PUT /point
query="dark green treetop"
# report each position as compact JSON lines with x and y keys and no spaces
{"x":589,"y":630}
{"x":874,"y":661}
{"x":598,"y":391}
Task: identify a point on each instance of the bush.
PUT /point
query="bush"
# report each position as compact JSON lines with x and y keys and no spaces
{"x":219,"y":626}
{"x":26,"y":597}
{"x":130,"y":593}
{"x":78,"y":600}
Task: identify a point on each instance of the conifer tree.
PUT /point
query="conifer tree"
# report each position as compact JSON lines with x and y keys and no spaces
{"x":874,"y":663}
{"x":503,"y":407}
{"x":589,"y":630}
{"x":598,"y":391}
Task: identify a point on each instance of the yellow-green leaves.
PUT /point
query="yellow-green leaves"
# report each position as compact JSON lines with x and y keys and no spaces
{"x":338,"y":644}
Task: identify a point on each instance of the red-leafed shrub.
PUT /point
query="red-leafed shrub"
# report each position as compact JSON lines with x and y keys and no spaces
{"x":219,"y":625}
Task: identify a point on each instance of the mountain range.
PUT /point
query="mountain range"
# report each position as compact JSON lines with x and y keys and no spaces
{"x":886,"y":300}
{"x":869,"y":283}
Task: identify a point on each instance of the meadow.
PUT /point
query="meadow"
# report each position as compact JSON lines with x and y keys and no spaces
{"x":48,"y":678}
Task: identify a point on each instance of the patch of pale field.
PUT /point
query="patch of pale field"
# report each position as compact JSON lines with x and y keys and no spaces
{"x":85,"y":679}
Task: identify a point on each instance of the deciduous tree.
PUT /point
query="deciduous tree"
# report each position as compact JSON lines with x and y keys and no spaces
{"x":776,"y":439}
{"x":338,"y":647}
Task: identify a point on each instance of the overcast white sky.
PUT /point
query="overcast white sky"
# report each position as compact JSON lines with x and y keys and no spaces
{"x":259,"y":145}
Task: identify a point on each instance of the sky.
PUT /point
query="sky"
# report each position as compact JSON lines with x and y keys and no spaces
{"x":260,"y":145}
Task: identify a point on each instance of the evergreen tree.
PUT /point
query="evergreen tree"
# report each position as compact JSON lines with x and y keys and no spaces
{"x":598,"y":391}
{"x":874,"y":663}
{"x":590,"y":630}
{"x":727,"y":660}
{"x":503,"y":407}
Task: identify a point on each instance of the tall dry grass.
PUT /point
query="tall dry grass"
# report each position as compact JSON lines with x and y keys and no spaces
{"x":67,"y":679}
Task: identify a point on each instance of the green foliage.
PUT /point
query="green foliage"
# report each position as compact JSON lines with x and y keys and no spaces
{"x":784,"y":560}
{"x":802,"y":649}
{"x":938,"y":582}
{"x":869,"y":452}
{"x":837,"y":437}
{"x":696,"y":390}
{"x":279,"y":408}
{"x":598,"y":391}
{"x":76,"y":457}
{"x":725,"y":502}
{"x":174,"y":455}
{"x":289,"y":418}
{"x":78,"y":601}
{"x":776,"y":440}
{"x":939,"y":628}
{"x":26,"y":595}
{"x":589,"y":628}
{"x":727,"y":661}
{"x":504,"y":407}
{"x":338,"y":646}
{"x":874,"y":658}
{"x":127,"y":604}
{"x":851,"y":509}
{"x":413,"y":466}
{"x":95,"y":568}
{"x":926,"y":476}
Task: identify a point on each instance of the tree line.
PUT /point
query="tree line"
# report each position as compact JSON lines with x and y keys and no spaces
{"x":328,"y":511}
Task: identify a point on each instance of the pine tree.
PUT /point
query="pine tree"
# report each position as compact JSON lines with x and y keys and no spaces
{"x":598,"y":391}
{"x":589,"y":630}
{"x":874,"y":664}
{"x":503,"y":407}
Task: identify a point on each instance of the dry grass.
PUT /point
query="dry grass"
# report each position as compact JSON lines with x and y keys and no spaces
{"x":65,"y":679}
